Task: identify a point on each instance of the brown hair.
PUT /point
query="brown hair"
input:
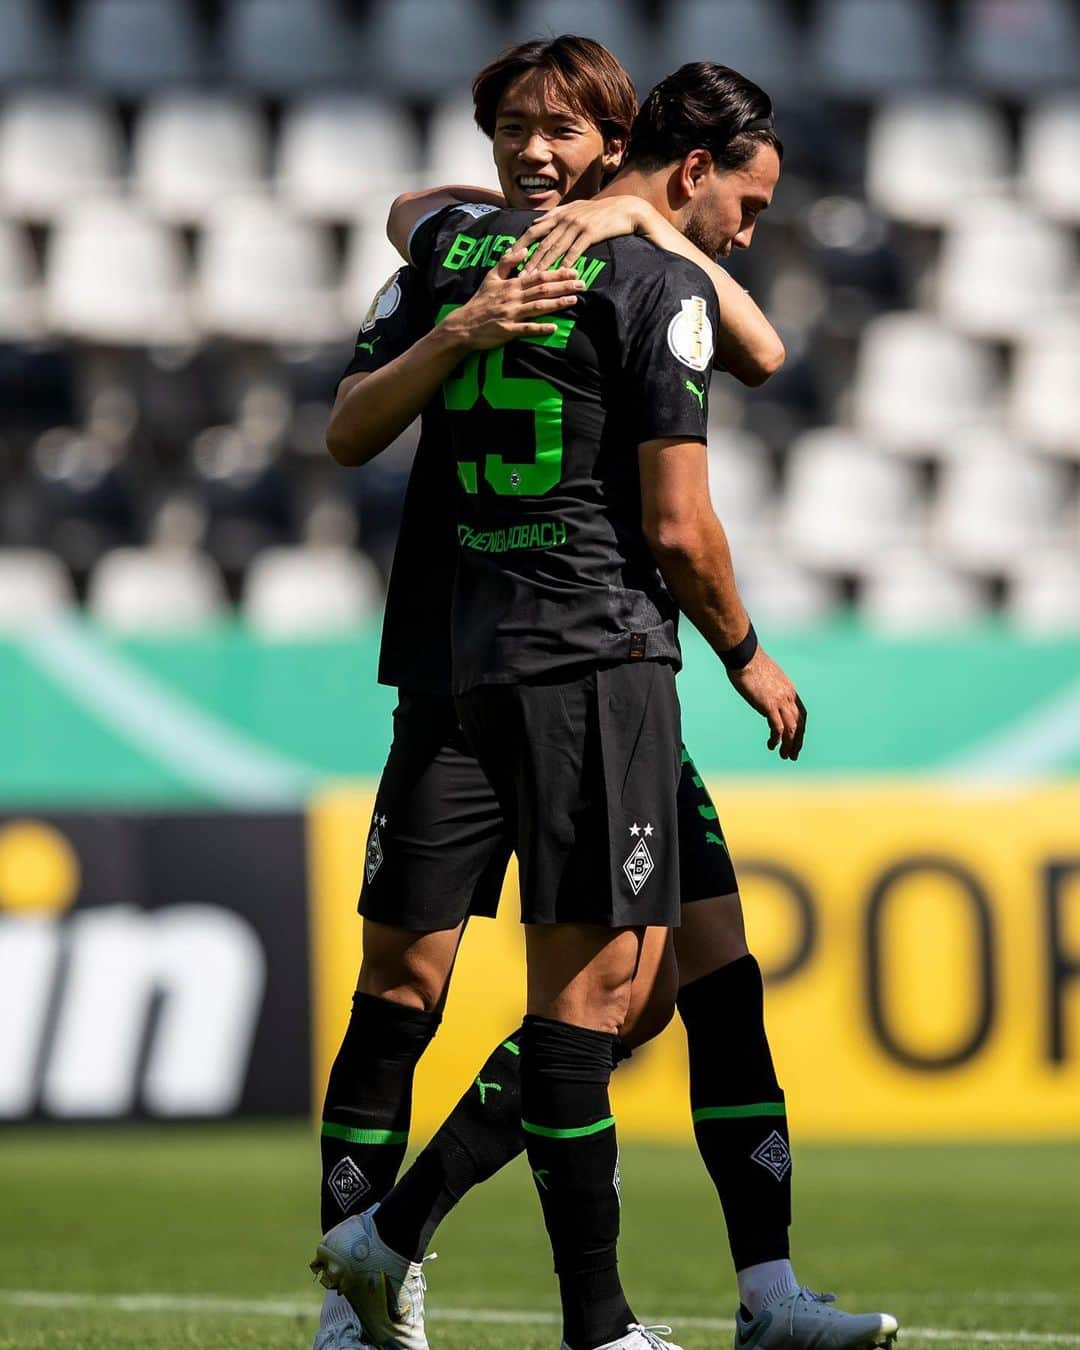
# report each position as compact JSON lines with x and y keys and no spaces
{"x":579,"y":71}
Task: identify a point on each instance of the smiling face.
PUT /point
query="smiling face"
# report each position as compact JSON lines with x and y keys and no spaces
{"x":724,"y":209}
{"x":546,"y":153}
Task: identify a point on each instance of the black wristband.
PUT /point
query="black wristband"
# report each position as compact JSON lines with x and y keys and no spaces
{"x":735,"y":658}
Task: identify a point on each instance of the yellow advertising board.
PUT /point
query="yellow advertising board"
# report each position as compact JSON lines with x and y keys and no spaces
{"x":921,"y":945}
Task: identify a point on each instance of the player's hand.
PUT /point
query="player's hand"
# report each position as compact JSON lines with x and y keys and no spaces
{"x":570,"y":230}
{"x":769,"y":691}
{"x":507,"y":301}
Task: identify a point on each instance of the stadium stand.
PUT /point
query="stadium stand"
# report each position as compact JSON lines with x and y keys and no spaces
{"x":192,"y":210}
{"x":160,"y":591}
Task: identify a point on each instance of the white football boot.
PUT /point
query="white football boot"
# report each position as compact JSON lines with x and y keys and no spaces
{"x":385,"y":1291}
{"x":803,"y":1320}
{"x":638,"y":1338}
{"x":343,"y":1336}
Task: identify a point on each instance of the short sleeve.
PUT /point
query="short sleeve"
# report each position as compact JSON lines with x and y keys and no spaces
{"x":668,"y":353}
{"x":399,"y":314}
{"x":424,"y":240}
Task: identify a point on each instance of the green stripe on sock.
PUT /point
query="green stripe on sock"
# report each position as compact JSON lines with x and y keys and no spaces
{"x":352,"y":1136}
{"x":579,"y":1132}
{"x":514,"y":1049}
{"x":739,"y":1112}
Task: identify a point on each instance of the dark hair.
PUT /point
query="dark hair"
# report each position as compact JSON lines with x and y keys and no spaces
{"x":579,"y":71}
{"x":703,"y":106}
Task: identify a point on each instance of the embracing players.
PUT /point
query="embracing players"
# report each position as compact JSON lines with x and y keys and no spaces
{"x":564,"y":656}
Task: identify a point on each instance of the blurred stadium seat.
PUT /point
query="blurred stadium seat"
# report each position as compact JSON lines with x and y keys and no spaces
{"x":458,"y":151}
{"x":162,"y":591}
{"x":131,"y":48}
{"x":114,"y":275}
{"x":863,"y":50}
{"x":909,"y":593}
{"x":1045,"y":394}
{"x":319,"y":172}
{"x":1019,"y":47}
{"x":420,"y":49}
{"x":264,"y":276}
{"x":309,"y":592}
{"x":756,"y":37}
{"x":618,"y":24}
{"x":1004,"y":272}
{"x":1049,"y":162}
{"x":917,"y":383}
{"x":370,"y":259}
{"x":191,"y":150}
{"x":34,"y":588}
{"x":281,"y":48}
{"x":844,"y":502}
{"x":784,"y":595}
{"x":928,"y":155}
{"x":1043,"y":597}
{"x":740,"y":484}
{"x":996,"y":503}
{"x":30,"y":48}
{"x":20,"y":298}
{"x":54,"y":148}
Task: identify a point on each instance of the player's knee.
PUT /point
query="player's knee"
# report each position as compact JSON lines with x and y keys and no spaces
{"x":405,"y":978}
{"x":647,"y":1017}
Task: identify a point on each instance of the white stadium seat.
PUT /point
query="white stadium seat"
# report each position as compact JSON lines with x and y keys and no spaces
{"x":55,"y":148}
{"x":1043,"y":598}
{"x":910,"y":593}
{"x":161,"y":591}
{"x":1045,"y":395}
{"x":917,"y":383}
{"x":337,"y":151}
{"x":114,"y":275}
{"x":264,"y":276}
{"x":995,"y":503}
{"x":282,"y":48}
{"x":1004,"y":272}
{"x":34,"y":588}
{"x":309,"y":592}
{"x":20,"y":297}
{"x":927,"y":155}
{"x":29,"y":42}
{"x":844,"y":501}
{"x":1015,"y":46}
{"x":782,"y":595}
{"x":192,"y":150}
{"x":130,"y":47}
{"x":1050,"y":159}
{"x":458,"y":151}
{"x":370,"y":259}
{"x":740,"y":485}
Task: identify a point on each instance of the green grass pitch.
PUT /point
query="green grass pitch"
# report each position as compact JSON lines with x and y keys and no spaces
{"x":199,"y":1238}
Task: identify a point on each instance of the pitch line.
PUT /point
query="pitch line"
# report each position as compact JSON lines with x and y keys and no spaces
{"x":173,"y":1303}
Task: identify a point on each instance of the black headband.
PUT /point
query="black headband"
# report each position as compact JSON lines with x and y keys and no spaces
{"x":758,"y":124}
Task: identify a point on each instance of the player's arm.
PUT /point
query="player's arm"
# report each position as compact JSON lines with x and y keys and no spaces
{"x":691,"y":550}
{"x":410,"y":208}
{"x":372,"y":409}
{"x":747,"y":345}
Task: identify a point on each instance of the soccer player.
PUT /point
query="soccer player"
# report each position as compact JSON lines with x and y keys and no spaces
{"x":709,"y":1114}
{"x":452,"y":1163}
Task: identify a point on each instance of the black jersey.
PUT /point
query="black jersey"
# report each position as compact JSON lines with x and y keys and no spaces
{"x":554,"y":570}
{"x":415,"y":649}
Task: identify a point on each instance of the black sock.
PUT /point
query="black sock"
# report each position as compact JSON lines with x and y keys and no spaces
{"x":570,"y":1139}
{"x":368,"y":1104}
{"x":739,"y":1118}
{"x":479,"y":1137}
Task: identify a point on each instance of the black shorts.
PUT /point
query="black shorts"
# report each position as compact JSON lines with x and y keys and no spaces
{"x":442,"y":854}
{"x":437,"y":847}
{"x":587,"y":771}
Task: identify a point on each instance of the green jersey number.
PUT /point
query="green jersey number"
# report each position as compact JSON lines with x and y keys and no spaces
{"x":482,"y":376}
